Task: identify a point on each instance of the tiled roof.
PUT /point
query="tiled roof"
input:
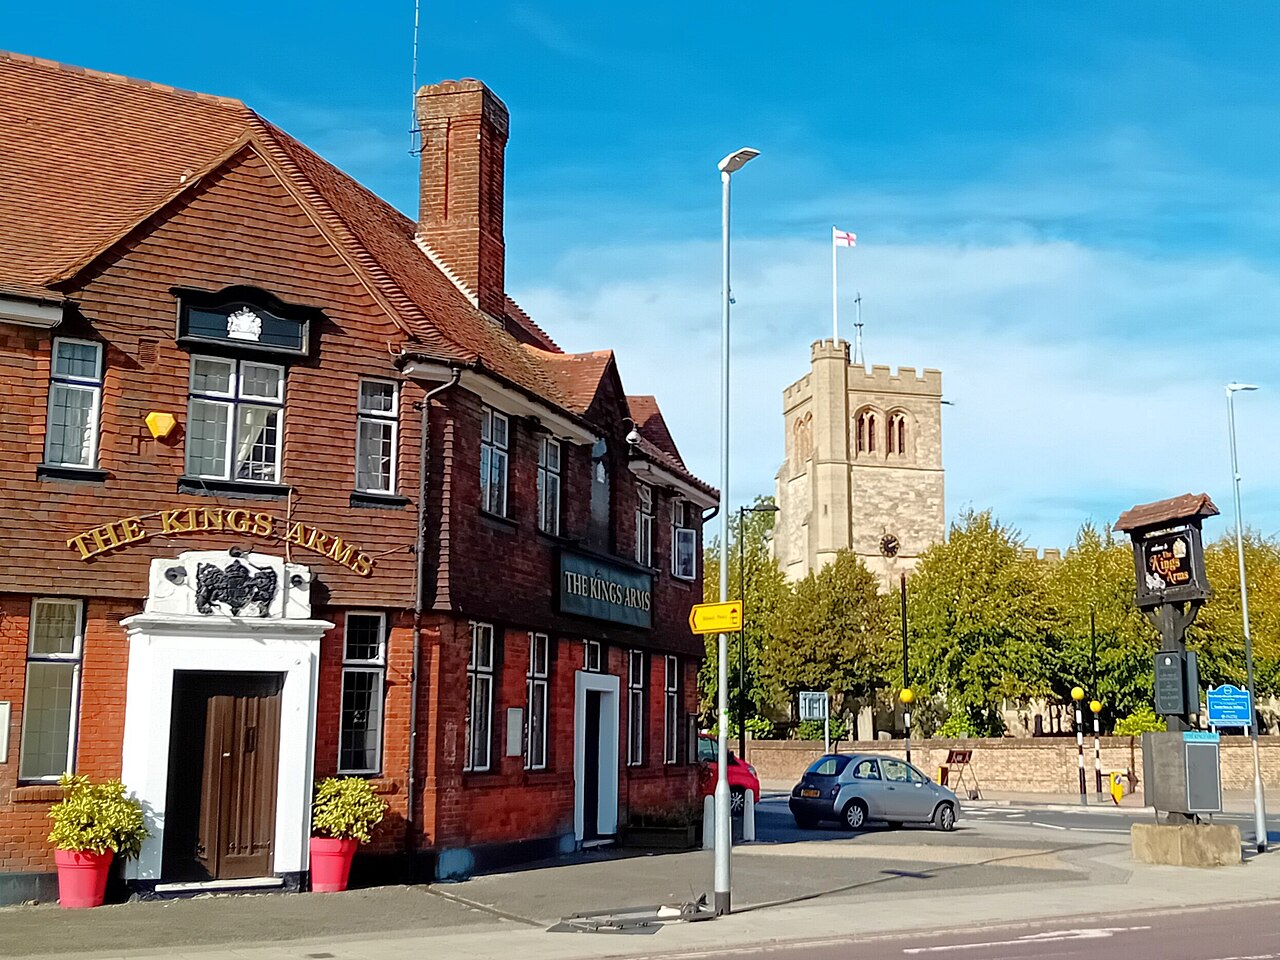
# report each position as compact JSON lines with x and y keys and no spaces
{"x":1162,"y":511}
{"x":649,"y":421}
{"x":578,"y":375}
{"x":86,"y":156}
{"x":70,"y":179}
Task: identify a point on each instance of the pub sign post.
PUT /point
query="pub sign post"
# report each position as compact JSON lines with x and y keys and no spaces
{"x":1168,"y":558}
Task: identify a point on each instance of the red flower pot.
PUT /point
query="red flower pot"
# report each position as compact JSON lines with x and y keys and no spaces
{"x":331,"y":863}
{"x":82,"y":877}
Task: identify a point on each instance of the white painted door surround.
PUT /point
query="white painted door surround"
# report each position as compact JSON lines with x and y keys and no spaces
{"x":608,"y":686}
{"x":271,"y":633}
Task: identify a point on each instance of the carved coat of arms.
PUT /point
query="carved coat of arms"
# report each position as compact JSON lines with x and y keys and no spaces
{"x":234,"y":587}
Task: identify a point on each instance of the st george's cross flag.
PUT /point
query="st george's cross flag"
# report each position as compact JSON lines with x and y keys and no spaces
{"x":843,"y":238}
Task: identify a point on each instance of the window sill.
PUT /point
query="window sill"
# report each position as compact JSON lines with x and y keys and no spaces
{"x":682,"y":582}
{"x":242,"y":489}
{"x":378,"y":501}
{"x":36,"y":793}
{"x":500,"y":522}
{"x":52,"y":471}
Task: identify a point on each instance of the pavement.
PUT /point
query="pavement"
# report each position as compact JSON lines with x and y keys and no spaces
{"x":1009,"y":861}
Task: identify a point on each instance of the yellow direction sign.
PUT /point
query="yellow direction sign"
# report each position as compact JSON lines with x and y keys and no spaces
{"x":716,"y":617}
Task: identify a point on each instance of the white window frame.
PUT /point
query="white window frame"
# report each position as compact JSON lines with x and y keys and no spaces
{"x":76,"y":658}
{"x":671,"y":709}
{"x":233,"y":400}
{"x":644,"y":525}
{"x":90,"y":385}
{"x":493,"y":499}
{"x":636,"y":691}
{"x":537,"y":677}
{"x":478,"y":755}
{"x":549,"y":485}
{"x":377,"y":666}
{"x":592,"y":656}
{"x":382,"y":417}
{"x":684,"y":541}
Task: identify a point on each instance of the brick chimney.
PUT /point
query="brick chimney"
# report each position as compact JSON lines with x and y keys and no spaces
{"x":464,"y":140}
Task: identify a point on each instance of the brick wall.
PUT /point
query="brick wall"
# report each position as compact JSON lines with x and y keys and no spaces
{"x":24,"y":823}
{"x":240,"y":227}
{"x":1047,"y":765}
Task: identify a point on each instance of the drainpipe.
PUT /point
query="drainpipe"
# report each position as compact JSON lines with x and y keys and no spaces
{"x":419,"y":601}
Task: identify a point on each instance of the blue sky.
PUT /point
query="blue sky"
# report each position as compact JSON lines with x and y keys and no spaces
{"x":1071,"y":209}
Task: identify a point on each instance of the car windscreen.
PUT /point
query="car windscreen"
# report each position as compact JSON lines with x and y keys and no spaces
{"x":828,"y":766}
{"x":707,"y":750}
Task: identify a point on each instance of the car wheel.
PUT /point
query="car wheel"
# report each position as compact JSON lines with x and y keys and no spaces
{"x":944,"y":818}
{"x":737,"y":801}
{"x":855,"y":815}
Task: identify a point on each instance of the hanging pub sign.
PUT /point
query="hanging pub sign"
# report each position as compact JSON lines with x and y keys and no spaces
{"x":1168,"y":553}
{"x":127,"y":531}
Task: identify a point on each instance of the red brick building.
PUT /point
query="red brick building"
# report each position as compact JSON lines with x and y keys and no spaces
{"x":224,"y":570}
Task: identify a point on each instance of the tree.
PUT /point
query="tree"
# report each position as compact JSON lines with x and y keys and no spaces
{"x":762,"y":587}
{"x":1096,"y":578}
{"x":1217,"y":636}
{"x":833,"y":634}
{"x":979,"y":622}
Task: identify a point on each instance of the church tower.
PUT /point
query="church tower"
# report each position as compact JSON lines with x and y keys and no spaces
{"x":863,"y":466}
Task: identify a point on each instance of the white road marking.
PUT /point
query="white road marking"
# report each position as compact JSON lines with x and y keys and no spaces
{"x":1049,"y":936}
{"x":1050,"y":826}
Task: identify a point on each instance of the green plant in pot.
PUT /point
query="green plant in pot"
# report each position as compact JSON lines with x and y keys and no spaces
{"x":343,"y":814}
{"x":91,"y":825}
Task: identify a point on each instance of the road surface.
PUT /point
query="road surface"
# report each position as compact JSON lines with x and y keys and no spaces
{"x":1222,"y":933}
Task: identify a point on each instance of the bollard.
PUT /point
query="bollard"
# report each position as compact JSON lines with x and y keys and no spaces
{"x":749,"y":816}
{"x":708,"y":822}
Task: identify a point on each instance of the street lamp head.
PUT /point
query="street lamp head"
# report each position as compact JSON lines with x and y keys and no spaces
{"x":1095,"y":706}
{"x":764,"y":508}
{"x":1234,"y":387}
{"x":737,"y":160}
{"x":906,"y":696}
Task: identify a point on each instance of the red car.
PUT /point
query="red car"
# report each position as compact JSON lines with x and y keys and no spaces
{"x":742,"y":776}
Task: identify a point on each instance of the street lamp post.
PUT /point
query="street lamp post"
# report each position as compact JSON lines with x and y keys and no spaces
{"x":1259,"y":802}
{"x":723,"y":829}
{"x":742,"y":634}
{"x":1077,"y":694}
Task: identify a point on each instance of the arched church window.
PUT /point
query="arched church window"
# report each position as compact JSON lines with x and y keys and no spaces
{"x":865,"y":432}
{"x":896,"y":435}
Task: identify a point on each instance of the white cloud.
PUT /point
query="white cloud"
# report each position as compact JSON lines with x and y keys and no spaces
{"x":1083,"y":380}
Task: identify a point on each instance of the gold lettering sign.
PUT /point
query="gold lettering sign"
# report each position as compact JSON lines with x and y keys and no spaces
{"x":166,"y":523}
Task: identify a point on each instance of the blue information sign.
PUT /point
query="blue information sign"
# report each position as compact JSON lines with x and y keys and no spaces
{"x":1229,"y":707}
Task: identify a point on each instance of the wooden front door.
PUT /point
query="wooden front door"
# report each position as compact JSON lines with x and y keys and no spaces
{"x":237,"y":820}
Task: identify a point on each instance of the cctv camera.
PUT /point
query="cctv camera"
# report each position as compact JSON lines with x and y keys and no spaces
{"x":633,"y":437}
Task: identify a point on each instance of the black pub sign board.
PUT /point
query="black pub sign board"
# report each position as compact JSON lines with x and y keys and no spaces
{"x":1168,"y":554}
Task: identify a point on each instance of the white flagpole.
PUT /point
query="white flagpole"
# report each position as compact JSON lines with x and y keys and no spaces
{"x":835,"y":322}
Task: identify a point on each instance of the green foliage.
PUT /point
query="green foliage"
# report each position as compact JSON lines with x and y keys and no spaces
{"x":965,"y":724}
{"x":833,"y":634}
{"x":1096,"y":578}
{"x":812,"y":729}
{"x":756,"y":579}
{"x":981,"y":630}
{"x":97,"y":817}
{"x":1142,"y":720}
{"x":346,"y":808}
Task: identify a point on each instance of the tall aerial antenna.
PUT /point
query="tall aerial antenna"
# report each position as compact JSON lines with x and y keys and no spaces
{"x":414,"y":130}
{"x":858,"y":358}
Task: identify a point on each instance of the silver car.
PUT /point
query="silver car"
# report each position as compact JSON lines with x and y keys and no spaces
{"x":857,"y":788}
